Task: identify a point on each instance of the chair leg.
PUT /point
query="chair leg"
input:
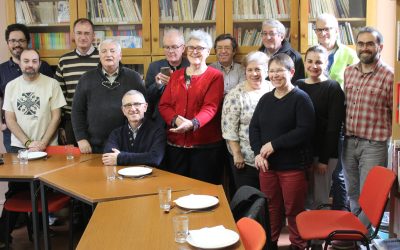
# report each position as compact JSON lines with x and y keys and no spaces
{"x":29,"y":226}
{"x":7,"y":238}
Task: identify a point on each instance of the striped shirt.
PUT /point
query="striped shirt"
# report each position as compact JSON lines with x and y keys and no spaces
{"x":71,"y":67}
{"x":369,"y":102}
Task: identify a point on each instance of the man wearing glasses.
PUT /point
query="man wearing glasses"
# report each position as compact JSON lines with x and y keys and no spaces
{"x":140,"y":140}
{"x":274,"y":42}
{"x":96,"y":108}
{"x":225,"y":48}
{"x":174,"y":46}
{"x":71,"y":66}
{"x":17,"y":38}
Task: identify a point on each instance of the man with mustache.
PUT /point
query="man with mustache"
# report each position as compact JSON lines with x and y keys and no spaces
{"x":17,"y":38}
{"x":368,"y":87}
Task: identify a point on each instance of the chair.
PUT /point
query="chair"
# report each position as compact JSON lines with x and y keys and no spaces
{"x":251,"y":202}
{"x":252,"y":234}
{"x":331,"y":225}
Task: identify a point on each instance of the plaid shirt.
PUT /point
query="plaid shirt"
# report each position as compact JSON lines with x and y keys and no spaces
{"x":369,"y":102}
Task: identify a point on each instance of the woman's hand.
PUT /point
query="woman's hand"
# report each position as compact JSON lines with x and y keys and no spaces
{"x":238,"y":160}
{"x":321,"y":168}
{"x":266,"y":150}
{"x":37,"y":146}
{"x":261,"y":163}
{"x":182,"y":125}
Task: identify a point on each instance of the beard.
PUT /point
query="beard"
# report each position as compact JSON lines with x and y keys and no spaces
{"x":30,"y":72}
{"x":367,"y":57}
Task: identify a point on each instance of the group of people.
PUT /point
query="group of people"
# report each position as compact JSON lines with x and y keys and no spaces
{"x":275,"y":128}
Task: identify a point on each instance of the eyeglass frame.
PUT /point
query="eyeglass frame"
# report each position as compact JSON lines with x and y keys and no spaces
{"x":277,"y":72}
{"x":197,"y":48}
{"x":370,"y":45}
{"x":172,"y":47}
{"x":270,"y":34}
{"x":320,"y":30}
{"x":19,"y":41}
{"x":133,"y":105}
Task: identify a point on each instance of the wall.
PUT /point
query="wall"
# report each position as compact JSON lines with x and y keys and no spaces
{"x":387,"y":9}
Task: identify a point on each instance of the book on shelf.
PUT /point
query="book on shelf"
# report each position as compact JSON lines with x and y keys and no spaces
{"x":50,"y":41}
{"x":357,"y":8}
{"x":338,"y":8}
{"x":386,"y":244}
{"x":261,"y":9}
{"x":312,"y":37}
{"x":115,"y":11}
{"x":187,"y":10}
{"x":42,"y":12}
{"x":128,"y":38}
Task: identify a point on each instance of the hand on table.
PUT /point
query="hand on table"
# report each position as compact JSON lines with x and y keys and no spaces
{"x":110,"y":159}
{"x":84,"y":147}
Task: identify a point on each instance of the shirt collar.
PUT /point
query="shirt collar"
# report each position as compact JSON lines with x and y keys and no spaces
{"x":11,"y":63}
{"x":378,"y":64}
{"x":226,"y":69}
{"x":114,"y":74}
{"x":90,"y":51}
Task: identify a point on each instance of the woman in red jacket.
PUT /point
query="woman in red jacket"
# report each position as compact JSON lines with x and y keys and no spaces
{"x":191,"y":107}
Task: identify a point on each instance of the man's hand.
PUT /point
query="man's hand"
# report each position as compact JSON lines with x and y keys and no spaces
{"x":62,"y":136}
{"x":162,"y":79}
{"x":3,"y":126}
{"x":84,"y":147}
{"x":37,"y":146}
{"x":266,"y":150}
{"x":110,"y":159}
{"x":182,"y":124}
{"x":261,"y":163}
{"x":321,"y":168}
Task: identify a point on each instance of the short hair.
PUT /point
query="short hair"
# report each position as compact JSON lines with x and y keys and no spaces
{"x":317,"y":49}
{"x":18,"y":27}
{"x":83,"y":20}
{"x":328,"y":18}
{"x":111,"y":40}
{"x":173,"y":31}
{"x":134,"y":92}
{"x":31,"y":49}
{"x":255,"y":56}
{"x":226,"y":37}
{"x":275,"y":24}
{"x":378,"y":35}
{"x":282,"y":59}
{"x":201,"y":35}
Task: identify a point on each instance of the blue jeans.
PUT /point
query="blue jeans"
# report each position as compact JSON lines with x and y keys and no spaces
{"x":338,"y":189}
{"x":359,"y":157}
{"x":7,"y":140}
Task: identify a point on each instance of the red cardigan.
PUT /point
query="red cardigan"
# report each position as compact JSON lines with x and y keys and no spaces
{"x":202,"y":100}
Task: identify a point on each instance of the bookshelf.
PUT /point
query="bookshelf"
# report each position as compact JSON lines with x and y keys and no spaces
{"x":351,"y":14}
{"x":185,"y":15}
{"x":49,"y":21}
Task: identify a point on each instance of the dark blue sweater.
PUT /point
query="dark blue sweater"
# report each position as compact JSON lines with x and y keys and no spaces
{"x":148,"y":147}
{"x":288,"y":123}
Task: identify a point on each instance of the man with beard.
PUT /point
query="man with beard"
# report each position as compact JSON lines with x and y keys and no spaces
{"x":368,"y":88}
{"x":32,"y":107}
{"x":17,"y":38}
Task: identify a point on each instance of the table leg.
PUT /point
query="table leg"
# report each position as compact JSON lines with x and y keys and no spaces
{"x":35,"y":215}
{"x":45,"y":217}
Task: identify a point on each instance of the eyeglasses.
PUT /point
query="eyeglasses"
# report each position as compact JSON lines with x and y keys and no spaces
{"x":133,"y":104}
{"x":172,"y":48}
{"x":325,"y":30}
{"x":20,"y":41}
{"x":367,"y":44}
{"x":270,"y":34}
{"x":110,"y":85}
{"x":278,"y":71}
{"x":197,"y":48}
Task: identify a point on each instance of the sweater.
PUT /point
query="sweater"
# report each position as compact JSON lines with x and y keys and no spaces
{"x":288,"y":123}
{"x":148,"y":147}
{"x":96,"y":109}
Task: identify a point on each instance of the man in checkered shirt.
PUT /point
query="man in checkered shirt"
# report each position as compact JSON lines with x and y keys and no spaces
{"x":368,"y":87}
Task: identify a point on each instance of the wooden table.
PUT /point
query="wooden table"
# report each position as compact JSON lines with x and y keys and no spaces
{"x":13,"y":171}
{"x":139,"y":223}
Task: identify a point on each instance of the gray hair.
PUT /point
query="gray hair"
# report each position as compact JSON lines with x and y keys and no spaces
{"x":378,"y":35}
{"x":175,"y":32}
{"x":201,"y":35}
{"x":256,"y":56}
{"x":113,"y":41}
{"x":134,"y":92}
{"x":328,"y":18}
{"x":275,"y":24}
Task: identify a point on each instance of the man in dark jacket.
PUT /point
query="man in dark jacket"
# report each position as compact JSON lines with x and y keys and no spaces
{"x":274,"y":42}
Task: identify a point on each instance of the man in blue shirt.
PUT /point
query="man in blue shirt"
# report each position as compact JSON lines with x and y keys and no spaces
{"x":17,"y":38}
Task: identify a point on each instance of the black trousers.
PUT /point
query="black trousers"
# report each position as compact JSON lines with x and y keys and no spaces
{"x":245,"y":176}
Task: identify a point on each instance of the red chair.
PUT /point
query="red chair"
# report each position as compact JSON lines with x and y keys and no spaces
{"x":252,"y":234}
{"x":59,"y":150}
{"x":331,"y":225}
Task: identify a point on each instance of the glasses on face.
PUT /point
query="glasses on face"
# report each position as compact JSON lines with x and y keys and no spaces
{"x":325,"y":30}
{"x":172,"y":48}
{"x":79,"y":33}
{"x":277,"y":71}
{"x":270,"y":34}
{"x":132,"y":105}
{"x":197,"y":48}
{"x":367,"y":44}
{"x":221,"y":48}
{"x":20,"y":41}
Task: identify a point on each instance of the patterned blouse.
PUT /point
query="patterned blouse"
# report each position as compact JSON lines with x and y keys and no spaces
{"x":239,"y":105}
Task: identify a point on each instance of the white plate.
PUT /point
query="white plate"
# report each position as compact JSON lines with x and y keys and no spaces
{"x":135,"y":171}
{"x":36,"y":155}
{"x":212,"y":238}
{"x":194,"y":201}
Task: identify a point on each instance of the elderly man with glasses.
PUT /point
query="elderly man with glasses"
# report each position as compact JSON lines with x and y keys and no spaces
{"x":140,"y":140}
{"x":157,"y":79}
{"x":96,"y":108}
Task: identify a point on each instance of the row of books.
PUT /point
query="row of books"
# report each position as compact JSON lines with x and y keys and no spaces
{"x":128,"y":38}
{"x":261,"y":9}
{"x":41,"y":12}
{"x":186,"y":31}
{"x":115,"y":11}
{"x":187,"y":10}
{"x":339,"y":8}
{"x":347,"y":33}
{"x":54,"y":40}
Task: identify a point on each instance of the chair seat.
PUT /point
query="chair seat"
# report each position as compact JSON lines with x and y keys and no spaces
{"x":318,"y":224}
{"x":21,"y":202}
